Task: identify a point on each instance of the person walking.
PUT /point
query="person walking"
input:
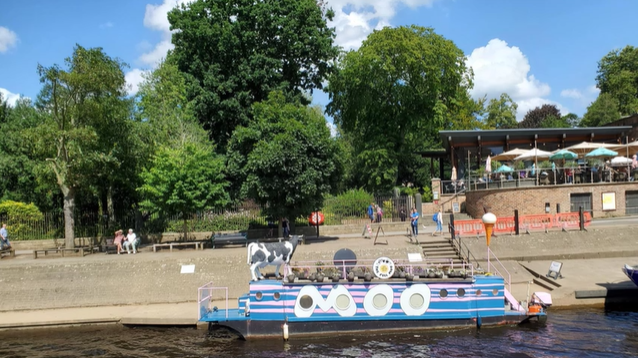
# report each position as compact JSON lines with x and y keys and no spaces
{"x":414,"y":221}
{"x":439,"y":222}
{"x":379,"y":214}
{"x":285,"y":227}
{"x":4,"y":238}
{"x":371,"y":212}
{"x":402,"y":214}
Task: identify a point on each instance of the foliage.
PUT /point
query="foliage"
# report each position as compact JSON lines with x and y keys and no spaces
{"x":501,"y":113}
{"x":618,"y":77}
{"x":408,"y":190}
{"x":602,"y":111}
{"x":392,"y":95}
{"x":534,"y":117}
{"x":545,"y":164}
{"x":572,"y":120}
{"x":554,"y":122}
{"x":427,"y":194}
{"x":234,"y":53}
{"x":348,"y":203}
{"x":184,"y":181}
{"x":79,"y":102}
{"x":285,"y":158}
{"x":20,"y":216}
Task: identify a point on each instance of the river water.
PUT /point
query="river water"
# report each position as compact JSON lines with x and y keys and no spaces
{"x":570,"y":333}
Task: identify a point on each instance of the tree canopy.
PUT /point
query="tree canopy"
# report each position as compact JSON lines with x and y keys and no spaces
{"x":501,"y":113}
{"x":285,"y":158}
{"x":393,"y":94}
{"x":535,"y":117}
{"x":602,"y":111}
{"x":618,"y":77}
{"x":234,"y":53}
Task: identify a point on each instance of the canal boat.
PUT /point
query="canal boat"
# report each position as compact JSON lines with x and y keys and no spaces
{"x":631,"y":272}
{"x":382,"y":295}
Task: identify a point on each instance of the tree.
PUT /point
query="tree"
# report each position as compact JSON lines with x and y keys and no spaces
{"x":234,"y":53}
{"x":618,"y":77}
{"x":554,"y":122}
{"x":393,"y":95}
{"x":77,"y":101}
{"x":572,"y":120}
{"x":534,"y":117}
{"x":285,"y":158}
{"x":602,"y":111}
{"x":501,"y":113}
{"x":184,"y":181}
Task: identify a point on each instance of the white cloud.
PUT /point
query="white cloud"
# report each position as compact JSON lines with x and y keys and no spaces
{"x":133,"y":79}
{"x":499,"y":68}
{"x":106,"y":25}
{"x":355,"y":19}
{"x":333,"y":129}
{"x":153,"y":57}
{"x":571,"y":93}
{"x":593,"y":90}
{"x":11,"y":98}
{"x":8,"y":39}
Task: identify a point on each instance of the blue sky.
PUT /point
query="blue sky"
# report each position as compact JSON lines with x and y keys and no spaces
{"x":540,"y":51}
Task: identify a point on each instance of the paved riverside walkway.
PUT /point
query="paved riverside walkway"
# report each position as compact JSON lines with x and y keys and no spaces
{"x":590,"y":271}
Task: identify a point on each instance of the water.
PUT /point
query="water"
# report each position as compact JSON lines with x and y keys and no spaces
{"x":582,"y":333}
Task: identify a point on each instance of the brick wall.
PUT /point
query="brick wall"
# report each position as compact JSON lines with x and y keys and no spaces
{"x":531,"y":200}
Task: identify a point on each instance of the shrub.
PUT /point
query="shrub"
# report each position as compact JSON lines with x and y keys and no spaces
{"x":20,"y":217}
{"x":352,"y":202}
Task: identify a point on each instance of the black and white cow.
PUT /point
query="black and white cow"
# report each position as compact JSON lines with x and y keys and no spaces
{"x":261,"y":255}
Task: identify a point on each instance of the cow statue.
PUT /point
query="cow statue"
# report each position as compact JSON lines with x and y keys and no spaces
{"x":261,"y":255}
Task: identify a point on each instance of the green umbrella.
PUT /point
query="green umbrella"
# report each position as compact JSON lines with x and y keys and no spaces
{"x":504,"y":169}
{"x":563,"y":154}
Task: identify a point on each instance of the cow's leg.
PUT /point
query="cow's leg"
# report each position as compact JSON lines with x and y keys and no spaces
{"x":259,"y":274}
{"x":254,"y":270}
{"x":277,"y":271}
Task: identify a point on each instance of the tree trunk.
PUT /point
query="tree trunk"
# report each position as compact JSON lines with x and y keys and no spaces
{"x":69,"y":222}
{"x":110,"y":211}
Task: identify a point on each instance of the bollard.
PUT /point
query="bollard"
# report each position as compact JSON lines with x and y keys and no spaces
{"x":557,"y":208}
{"x":516,"y":224}
{"x":452,"y":223}
{"x":581,"y":218}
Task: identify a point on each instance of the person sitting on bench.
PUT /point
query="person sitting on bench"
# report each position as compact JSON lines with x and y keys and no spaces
{"x":131,"y":242}
{"x":119,"y":237}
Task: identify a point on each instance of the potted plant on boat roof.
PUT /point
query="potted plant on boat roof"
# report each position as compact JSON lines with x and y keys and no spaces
{"x":419,"y":271}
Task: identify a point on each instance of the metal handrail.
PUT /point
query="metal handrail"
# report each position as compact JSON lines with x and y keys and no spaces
{"x":462,"y":248}
{"x":509,"y":277}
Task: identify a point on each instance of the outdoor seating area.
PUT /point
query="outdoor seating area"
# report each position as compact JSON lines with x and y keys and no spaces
{"x":63,"y":252}
{"x":198,"y":245}
{"x":229,"y":239}
{"x":7,"y":252}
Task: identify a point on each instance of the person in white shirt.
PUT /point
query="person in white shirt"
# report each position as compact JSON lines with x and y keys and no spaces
{"x":131,"y":242}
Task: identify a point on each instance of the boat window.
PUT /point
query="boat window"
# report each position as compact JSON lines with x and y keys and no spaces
{"x":495,"y":291}
{"x":479,"y":292}
{"x":277,"y":296}
{"x":417,"y":301}
{"x":443,"y":293}
{"x":342,"y":302}
{"x":379,"y":301}
{"x":305,"y":302}
{"x":259,"y":296}
{"x":460,"y":292}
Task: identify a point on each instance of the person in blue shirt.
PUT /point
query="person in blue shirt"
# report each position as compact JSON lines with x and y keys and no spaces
{"x":4,"y":238}
{"x":414,"y":217}
{"x":371,"y":212}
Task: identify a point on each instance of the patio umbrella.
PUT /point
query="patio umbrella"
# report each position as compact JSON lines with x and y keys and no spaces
{"x":509,"y":155}
{"x":488,"y":164}
{"x":621,"y":161}
{"x":504,"y":169}
{"x":533,"y":154}
{"x":601,"y":152}
{"x":563,"y":154}
{"x":628,"y":149}
{"x":453,"y":176}
{"x":585,"y":147}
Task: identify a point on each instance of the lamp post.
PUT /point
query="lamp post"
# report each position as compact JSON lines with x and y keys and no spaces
{"x":489,"y":220}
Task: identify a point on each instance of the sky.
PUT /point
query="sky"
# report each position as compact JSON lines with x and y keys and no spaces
{"x":537,"y":51}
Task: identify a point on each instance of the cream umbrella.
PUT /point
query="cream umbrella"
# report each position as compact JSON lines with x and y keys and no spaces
{"x":627,"y":149}
{"x":509,"y":155}
{"x":585,"y":147}
{"x":533,"y":154}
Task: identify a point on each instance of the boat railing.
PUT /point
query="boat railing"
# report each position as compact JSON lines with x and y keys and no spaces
{"x":306,"y":268}
{"x":490,"y":267}
{"x":205,"y":298}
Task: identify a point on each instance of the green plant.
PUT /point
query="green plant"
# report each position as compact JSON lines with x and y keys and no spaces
{"x":351,"y":202}
{"x":427,"y":194}
{"x":519,"y":165}
{"x":546,"y":164}
{"x":20,"y":218}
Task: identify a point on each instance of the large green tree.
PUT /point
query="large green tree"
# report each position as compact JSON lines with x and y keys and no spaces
{"x":285,"y":158}
{"x":602,"y":111}
{"x":77,"y":101}
{"x":393,"y":95}
{"x":234,"y":53}
{"x":501,"y":113}
{"x":618,"y":77}
{"x":535,"y":117}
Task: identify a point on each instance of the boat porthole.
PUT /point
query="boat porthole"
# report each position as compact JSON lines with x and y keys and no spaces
{"x":259,"y":296}
{"x":306,"y":302}
{"x":416,"y":301}
{"x":460,"y":292}
{"x":495,"y":291}
{"x":342,"y":302}
{"x":443,"y":293}
{"x":479,"y":292}
{"x":277,"y":296}
{"x":379,"y":301}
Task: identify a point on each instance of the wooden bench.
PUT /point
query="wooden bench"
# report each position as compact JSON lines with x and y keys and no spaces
{"x":197,"y":244}
{"x":61,"y":251}
{"x":8,"y":251}
{"x":232,"y":239}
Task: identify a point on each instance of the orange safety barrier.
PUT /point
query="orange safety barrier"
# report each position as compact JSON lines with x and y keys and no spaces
{"x":527,"y":222}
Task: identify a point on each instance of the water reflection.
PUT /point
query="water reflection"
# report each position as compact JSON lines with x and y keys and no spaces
{"x":582,"y":333}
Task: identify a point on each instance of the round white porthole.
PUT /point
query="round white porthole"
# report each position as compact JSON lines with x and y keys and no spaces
{"x":378,"y":300}
{"x":415,"y":299}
